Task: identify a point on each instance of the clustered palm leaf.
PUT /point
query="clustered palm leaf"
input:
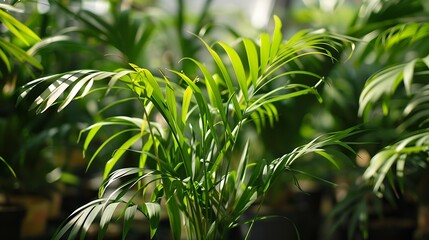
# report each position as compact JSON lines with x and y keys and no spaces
{"x":400,"y":92}
{"x":14,"y":42}
{"x":186,"y":162}
{"x":393,"y":101}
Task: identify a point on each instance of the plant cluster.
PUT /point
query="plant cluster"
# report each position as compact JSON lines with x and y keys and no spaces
{"x":173,"y":110}
{"x":188,"y":159}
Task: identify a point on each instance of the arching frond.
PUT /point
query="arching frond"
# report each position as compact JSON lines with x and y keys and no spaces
{"x":394,"y":158}
{"x":384,"y":84}
{"x":191,"y":149}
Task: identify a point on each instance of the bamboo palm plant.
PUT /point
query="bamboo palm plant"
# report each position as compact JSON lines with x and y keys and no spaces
{"x":392,"y":59}
{"x":400,"y":92}
{"x":188,"y":160}
{"x":397,"y":96}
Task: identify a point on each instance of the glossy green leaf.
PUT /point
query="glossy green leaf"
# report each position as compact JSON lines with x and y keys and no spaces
{"x":119,"y":152}
{"x":408,"y":75}
{"x":238,"y":69}
{"x":277,"y":38}
{"x":264,"y":48}
{"x":89,"y":220}
{"x":153,"y":213}
{"x":174,"y":218}
{"x":187,"y":96}
{"x":25,"y":34}
{"x":230,"y":85}
{"x":19,"y":54}
{"x":214,"y":94}
{"x":5,"y":60}
{"x":106,"y":217}
{"x":129,"y":214}
{"x":329,"y":158}
{"x":87,"y":80}
{"x":171,"y":99}
{"x":252,"y":58}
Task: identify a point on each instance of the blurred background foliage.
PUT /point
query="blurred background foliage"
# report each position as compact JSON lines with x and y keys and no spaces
{"x":106,"y":35}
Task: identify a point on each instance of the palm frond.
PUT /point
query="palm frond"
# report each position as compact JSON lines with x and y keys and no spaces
{"x":379,"y":15}
{"x":401,"y":83}
{"x":384,"y":84}
{"x":394,"y":157}
{"x":8,"y":166}
{"x":11,"y":51}
{"x":204,"y":116}
{"x":126,"y":32}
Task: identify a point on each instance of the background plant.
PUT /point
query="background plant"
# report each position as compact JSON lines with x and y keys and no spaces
{"x":377,"y":87}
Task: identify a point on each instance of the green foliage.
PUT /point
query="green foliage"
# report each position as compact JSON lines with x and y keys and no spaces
{"x":392,"y":104}
{"x":14,"y":42}
{"x":8,"y":166}
{"x":188,"y":158}
{"x":383,"y":86}
{"x":128,"y":33}
{"x":398,"y":93}
{"x":398,"y":83}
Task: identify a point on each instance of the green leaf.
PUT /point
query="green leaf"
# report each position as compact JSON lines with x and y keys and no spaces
{"x":380,"y":84}
{"x":88,"y":80}
{"x":426,"y":60}
{"x":157,"y":92}
{"x":214,"y":95}
{"x":5,"y":60}
{"x":252,"y":58}
{"x":129,"y":214}
{"x":22,"y":32}
{"x":11,"y":8}
{"x":84,"y":228}
{"x":153,"y":212}
{"x":174,"y":218}
{"x":93,"y":130}
{"x":119,"y":152}
{"x":73,"y":218}
{"x":408,"y":75}
{"x":242,"y":165}
{"x":106,"y":217}
{"x":21,"y":55}
{"x":8,"y":166}
{"x":227,"y":78}
{"x":329,"y":158}
{"x":187,"y":96}
{"x":171,"y":99}
{"x":264,"y":49}
{"x":238,"y":69}
{"x":277,"y":38}
{"x":57,"y":88}
{"x":202,"y":104}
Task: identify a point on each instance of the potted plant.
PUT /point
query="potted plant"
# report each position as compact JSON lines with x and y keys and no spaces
{"x":185,"y":144}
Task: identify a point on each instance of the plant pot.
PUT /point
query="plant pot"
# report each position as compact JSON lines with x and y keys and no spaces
{"x":55,"y":206}
{"x":392,"y":228}
{"x":11,"y":218}
{"x":35,"y":221}
{"x":423,"y":222}
{"x":297,"y":216}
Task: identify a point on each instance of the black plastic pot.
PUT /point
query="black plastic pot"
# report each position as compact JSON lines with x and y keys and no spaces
{"x":11,"y":217}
